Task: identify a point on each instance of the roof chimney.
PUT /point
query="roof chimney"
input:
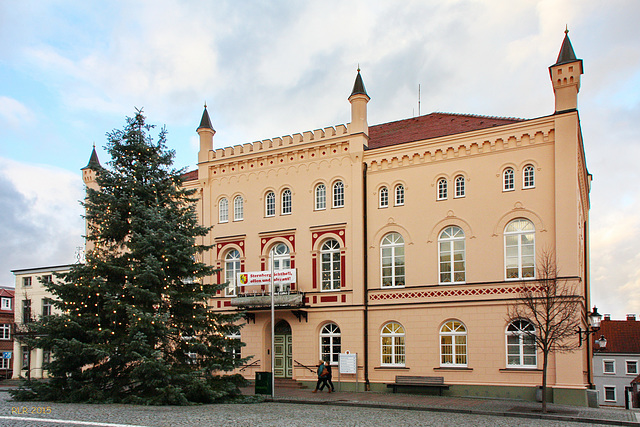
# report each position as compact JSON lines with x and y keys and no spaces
{"x":631,"y":317}
{"x":607,"y":317}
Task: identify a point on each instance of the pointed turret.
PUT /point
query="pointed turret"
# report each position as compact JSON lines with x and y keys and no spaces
{"x":90,"y":171}
{"x":565,"y":77}
{"x":359,"y":99}
{"x":206,"y":132}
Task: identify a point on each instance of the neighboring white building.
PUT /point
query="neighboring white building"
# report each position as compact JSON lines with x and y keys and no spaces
{"x":31,"y":302}
{"x":618,"y":363}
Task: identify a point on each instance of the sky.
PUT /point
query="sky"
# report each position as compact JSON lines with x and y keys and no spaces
{"x":73,"y":70}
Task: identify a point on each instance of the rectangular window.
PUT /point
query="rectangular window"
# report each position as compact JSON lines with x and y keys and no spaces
{"x":26,"y":282}
{"x":6,"y":303}
{"x":5,"y":331}
{"x":4,"y":363}
{"x":26,"y":311}
{"x":632,"y":367}
{"x":46,"y":307}
{"x":609,"y":393}
{"x":609,"y":366}
{"x":25,"y":357}
{"x":46,"y":357}
{"x":47,"y":278}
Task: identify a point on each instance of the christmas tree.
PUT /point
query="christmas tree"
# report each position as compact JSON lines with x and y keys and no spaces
{"x":135,"y":326}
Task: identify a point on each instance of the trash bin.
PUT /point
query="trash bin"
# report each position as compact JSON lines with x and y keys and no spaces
{"x":263,"y":383}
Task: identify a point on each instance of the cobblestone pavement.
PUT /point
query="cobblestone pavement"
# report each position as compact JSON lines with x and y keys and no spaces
{"x":335,"y":409}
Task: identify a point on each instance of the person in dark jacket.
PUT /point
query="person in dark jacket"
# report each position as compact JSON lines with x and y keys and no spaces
{"x":327,"y":381}
{"x":322,"y":377}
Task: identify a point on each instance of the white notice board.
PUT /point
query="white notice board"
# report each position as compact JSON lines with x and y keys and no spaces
{"x":348,"y":363}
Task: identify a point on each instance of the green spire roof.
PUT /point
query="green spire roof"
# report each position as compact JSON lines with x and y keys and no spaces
{"x":358,"y":86}
{"x":205,"y":122}
{"x":566,"y":51}
{"x":94,"y":163}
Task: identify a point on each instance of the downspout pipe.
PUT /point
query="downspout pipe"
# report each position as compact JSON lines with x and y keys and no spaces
{"x":367,"y":385}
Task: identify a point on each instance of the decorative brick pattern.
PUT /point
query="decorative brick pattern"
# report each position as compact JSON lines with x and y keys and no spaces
{"x":458,"y":292}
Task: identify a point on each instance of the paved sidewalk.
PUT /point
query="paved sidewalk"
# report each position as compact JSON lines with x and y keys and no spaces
{"x":478,"y":406}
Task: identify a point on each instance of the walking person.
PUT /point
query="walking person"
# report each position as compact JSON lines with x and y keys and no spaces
{"x":322,"y":377}
{"x":327,"y":377}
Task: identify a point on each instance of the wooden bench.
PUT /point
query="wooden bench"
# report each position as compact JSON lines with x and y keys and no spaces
{"x":419,"y":382}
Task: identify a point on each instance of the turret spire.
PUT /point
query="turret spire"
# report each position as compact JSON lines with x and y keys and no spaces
{"x":566,"y":51}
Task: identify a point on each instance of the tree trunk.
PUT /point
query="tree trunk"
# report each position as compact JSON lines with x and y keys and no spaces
{"x":545,"y":359}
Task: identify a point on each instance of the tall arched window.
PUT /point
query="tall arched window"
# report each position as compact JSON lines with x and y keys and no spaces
{"x":280,"y":258}
{"x":508,"y":181}
{"x":338,"y":194}
{"x":442,"y":189}
{"x":321,"y":197}
{"x":451,"y":246}
{"x":528,"y":178}
{"x":392,"y":345}
{"x":460,"y":187}
{"x":453,"y":344}
{"x":231,"y":270}
{"x":520,"y":249}
{"x":223,"y":210}
{"x":399,"y":195}
{"x":331,"y":265}
{"x":384,"y":197}
{"x":238,"y":208}
{"x":286,"y":202}
{"x":270,"y":204}
{"x":392,"y":260}
{"x":521,"y":344}
{"x":330,"y":344}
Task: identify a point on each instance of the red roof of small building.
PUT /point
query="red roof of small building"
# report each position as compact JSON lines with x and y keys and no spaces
{"x":623,"y":336}
{"x":190,"y":176}
{"x":429,"y":126}
{"x":7,"y":292}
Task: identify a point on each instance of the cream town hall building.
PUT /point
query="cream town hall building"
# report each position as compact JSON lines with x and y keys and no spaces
{"x":408,"y":240}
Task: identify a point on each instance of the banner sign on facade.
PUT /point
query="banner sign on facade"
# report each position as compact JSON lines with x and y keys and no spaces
{"x":348,"y":363}
{"x":263,"y":278}
{"x":6,"y":355}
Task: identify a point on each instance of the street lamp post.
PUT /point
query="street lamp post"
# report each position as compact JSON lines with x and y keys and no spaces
{"x":593,"y":326}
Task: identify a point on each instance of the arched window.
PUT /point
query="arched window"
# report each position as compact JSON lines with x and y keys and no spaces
{"x":223,"y":210}
{"x":521,"y":344}
{"x":270,"y":204}
{"x":280,"y":258}
{"x":231,"y":270}
{"x":528,"y":178}
{"x":508,"y":181}
{"x":331,"y":265}
{"x":442,"y":189}
{"x":451,"y":246}
{"x":399,"y":195}
{"x":338,"y":194}
{"x":384,"y":197}
{"x":286,"y":202}
{"x":520,"y":249}
{"x":453,"y":344}
{"x":330,"y":345}
{"x":392,"y":260}
{"x":392,"y":345}
{"x":321,"y":197}
{"x":238,"y":208}
{"x":460,"y":187}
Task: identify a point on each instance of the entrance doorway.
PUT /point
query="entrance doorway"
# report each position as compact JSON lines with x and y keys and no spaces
{"x":283,"y":349}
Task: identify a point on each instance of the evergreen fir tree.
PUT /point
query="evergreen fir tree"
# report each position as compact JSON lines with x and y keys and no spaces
{"x":135,"y":326}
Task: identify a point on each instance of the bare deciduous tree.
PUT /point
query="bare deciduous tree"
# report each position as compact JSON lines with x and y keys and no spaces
{"x":553,"y":306}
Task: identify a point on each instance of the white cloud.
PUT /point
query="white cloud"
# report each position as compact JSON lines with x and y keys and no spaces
{"x":13,"y":113}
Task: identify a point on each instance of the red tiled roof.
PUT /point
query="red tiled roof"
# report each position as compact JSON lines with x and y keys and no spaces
{"x":190,"y":176}
{"x":432,"y":125}
{"x":7,"y":292}
{"x":623,"y":336}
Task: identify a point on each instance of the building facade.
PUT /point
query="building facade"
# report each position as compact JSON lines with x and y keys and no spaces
{"x":617,"y":364}
{"x":6,"y":331}
{"x":409,"y":241}
{"x":32,"y":301}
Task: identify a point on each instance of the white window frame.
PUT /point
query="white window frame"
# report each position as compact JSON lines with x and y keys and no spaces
{"x":443,"y":192}
{"x":393,"y":337}
{"x":238,"y":208}
{"x":46,"y":305}
{"x":449,"y":242}
{"x":232,"y":267}
{"x":236,"y":353}
{"x":5,"y":303}
{"x":528,"y":177}
{"x":520,"y":252}
{"x":604,"y":366}
{"x":270,"y":204}
{"x":338,"y":194}
{"x":604,"y":395}
{"x":223,"y":210}
{"x":26,"y":282}
{"x":391,"y":243}
{"x":399,"y":193}
{"x":384,"y":198}
{"x":5,"y":331}
{"x":331,"y":340}
{"x":330,"y":256}
{"x":508,"y":180}
{"x":628,"y":363}
{"x":287,"y":202}
{"x":522,"y":329}
{"x":460,"y":187}
{"x":4,"y":363}
{"x":454,"y":329}
{"x":280,"y":259}
{"x":321,"y":197}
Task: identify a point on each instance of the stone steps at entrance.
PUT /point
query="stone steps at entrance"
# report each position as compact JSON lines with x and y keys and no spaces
{"x":288,"y":383}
